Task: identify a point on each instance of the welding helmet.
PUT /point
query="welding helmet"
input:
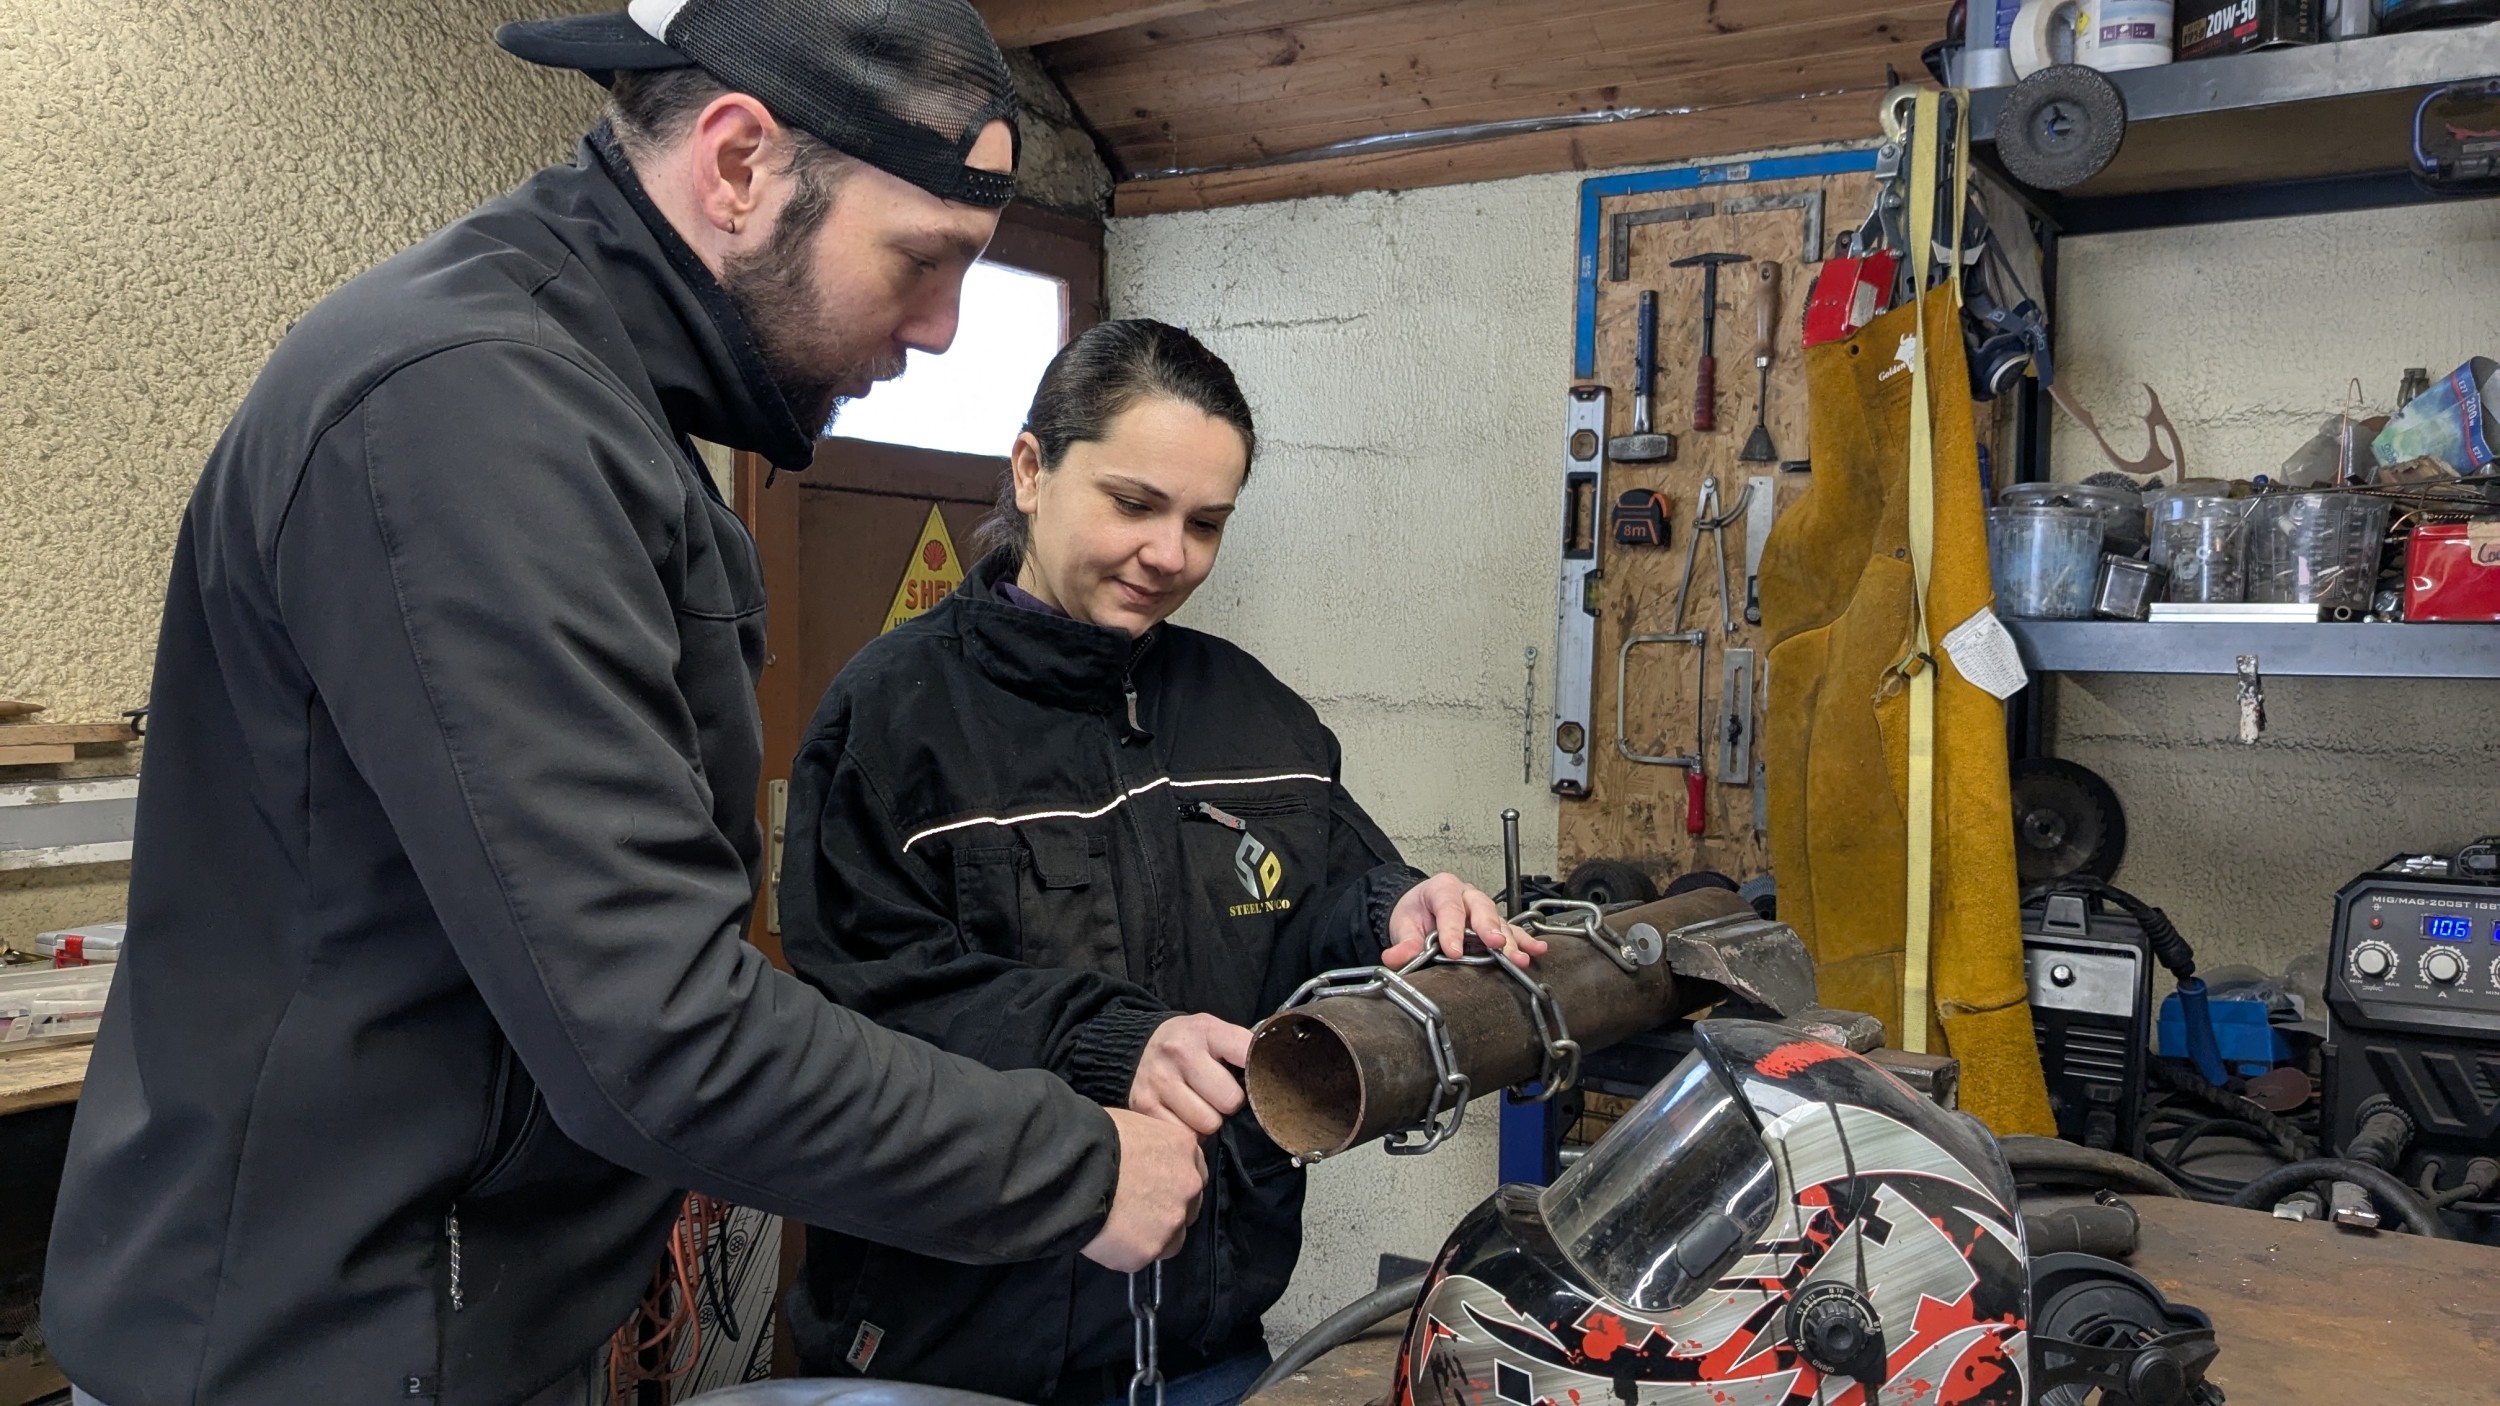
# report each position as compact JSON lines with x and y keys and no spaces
{"x":1778,"y":1221}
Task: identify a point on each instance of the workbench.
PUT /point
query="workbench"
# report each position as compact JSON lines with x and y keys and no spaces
{"x":44,"y":1077}
{"x":2304,"y":1312}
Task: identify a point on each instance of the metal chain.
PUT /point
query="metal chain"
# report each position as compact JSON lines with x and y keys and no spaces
{"x":1143,"y":1341}
{"x":1450,"y":1089}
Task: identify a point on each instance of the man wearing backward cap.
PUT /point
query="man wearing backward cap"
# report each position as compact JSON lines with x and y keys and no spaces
{"x":435,"y":995}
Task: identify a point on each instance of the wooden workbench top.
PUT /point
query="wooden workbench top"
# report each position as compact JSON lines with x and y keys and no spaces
{"x":2304,"y":1312}
{"x":41,"y":1078}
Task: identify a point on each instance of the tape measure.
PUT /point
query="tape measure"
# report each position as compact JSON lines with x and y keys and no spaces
{"x":1640,"y":518}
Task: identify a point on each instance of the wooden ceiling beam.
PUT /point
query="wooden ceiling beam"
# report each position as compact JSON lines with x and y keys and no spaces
{"x":1021,"y":24}
{"x":1844,"y":54}
{"x":1692,"y":136}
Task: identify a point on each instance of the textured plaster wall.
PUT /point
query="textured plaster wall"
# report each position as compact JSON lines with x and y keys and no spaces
{"x":2250,"y":333}
{"x":1405,"y":355}
{"x":178,"y":183}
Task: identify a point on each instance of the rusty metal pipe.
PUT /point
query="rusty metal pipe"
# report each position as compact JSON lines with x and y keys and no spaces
{"x":1342,"y":1070}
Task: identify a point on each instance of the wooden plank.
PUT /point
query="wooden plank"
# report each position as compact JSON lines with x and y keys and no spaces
{"x":1691,"y":136}
{"x":1020,"y":24}
{"x":1240,"y":97}
{"x":59,"y":734}
{"x":2304,"y":1314}
{"x":43,"y":1077}
{"x":37,"y":756}
{"x":62,"y":856}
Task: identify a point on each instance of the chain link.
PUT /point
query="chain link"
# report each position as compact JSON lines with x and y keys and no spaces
{"x":1143,"y":1340}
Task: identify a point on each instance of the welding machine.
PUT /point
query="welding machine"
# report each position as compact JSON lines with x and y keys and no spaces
{"x":2091,"y":977}
{"x":2413,"y":1006}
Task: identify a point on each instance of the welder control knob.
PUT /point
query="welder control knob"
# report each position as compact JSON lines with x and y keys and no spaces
{"x":1835,"y":1327}
{"x":2061,"y":975}
{"x":2444,"y":966}
{"x":2373,"y":961}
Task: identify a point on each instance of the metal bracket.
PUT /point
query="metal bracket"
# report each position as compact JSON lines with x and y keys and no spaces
{"x":1810,"y":201}
{"x":1619,"y":259}
{"x":1886,"y":224}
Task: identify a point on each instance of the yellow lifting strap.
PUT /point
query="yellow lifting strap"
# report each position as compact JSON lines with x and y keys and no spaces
{"x":1927,"y":154}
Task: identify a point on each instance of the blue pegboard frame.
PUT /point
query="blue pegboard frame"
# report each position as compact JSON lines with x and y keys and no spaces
{"x":1595,"y":191}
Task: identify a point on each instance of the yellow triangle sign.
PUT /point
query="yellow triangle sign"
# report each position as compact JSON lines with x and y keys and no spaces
{"x":930,"y":576}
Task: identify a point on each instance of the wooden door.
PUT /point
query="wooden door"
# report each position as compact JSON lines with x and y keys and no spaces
{"x":837,"y":539}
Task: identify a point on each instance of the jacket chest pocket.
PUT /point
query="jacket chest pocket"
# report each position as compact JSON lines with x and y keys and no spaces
{"x":1258,"y":865}
{"x":1048,"y":898}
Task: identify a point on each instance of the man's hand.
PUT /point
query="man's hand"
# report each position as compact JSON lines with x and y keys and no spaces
{"x":1162,"y":1173}
{"x":1449,"y":907}
{"x":1186,"y":1074}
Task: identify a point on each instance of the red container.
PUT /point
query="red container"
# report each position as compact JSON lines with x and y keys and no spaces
{"x":2452,"y":572}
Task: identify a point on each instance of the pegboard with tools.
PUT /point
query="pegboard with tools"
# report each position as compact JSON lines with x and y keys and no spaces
{"x":1665,"y":772}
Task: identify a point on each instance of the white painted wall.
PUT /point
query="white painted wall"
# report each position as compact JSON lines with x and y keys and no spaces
{"x":2251,"y":332}
{"x":1406,"y":356}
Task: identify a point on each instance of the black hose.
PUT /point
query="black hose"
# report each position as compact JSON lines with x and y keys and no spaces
{"x":2262,"y":1141}
{"x":2047,"y":1154}
{"x":2184,"y":1081}
{"x":1340,"y":1328}
{"x":2262,"y":1193}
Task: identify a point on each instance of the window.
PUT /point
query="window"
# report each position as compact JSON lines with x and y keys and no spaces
{"x":971,"y":400}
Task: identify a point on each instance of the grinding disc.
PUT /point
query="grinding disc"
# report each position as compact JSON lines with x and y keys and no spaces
{"x":1610,"y":881}
{"x":2066,"y":822}
{"x":2060,"y":127}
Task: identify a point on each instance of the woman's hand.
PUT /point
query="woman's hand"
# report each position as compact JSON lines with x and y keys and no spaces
{"x":1185,"y":1075}
{"x":1449,"y":907}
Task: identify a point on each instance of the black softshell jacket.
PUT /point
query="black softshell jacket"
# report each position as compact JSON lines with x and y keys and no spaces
{"x":435,"y":991}
{"x":1032,"y":841}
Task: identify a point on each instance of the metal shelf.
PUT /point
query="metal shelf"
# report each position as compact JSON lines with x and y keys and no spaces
{"x":2299,"y":130}
{"x":2324,"y":650}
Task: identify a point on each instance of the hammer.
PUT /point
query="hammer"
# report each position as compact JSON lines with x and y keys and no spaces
{"x":1644,"y":445}
{"x":1706,"y":375}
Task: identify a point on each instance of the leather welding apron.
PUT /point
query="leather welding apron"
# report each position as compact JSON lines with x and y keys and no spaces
{"x":1838,"y":591}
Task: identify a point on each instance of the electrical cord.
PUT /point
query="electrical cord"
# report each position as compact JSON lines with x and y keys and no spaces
{"x":2171,"y":949}
{"x":1340,"y":1328}
{"x":2390,"y":1193}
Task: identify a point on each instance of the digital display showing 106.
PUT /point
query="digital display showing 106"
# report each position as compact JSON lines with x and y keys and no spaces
{"x":2452,"y":927}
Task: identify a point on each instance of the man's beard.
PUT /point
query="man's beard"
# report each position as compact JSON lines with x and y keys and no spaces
{"x":774,"y":289}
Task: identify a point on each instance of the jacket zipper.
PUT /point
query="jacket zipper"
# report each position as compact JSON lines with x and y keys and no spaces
{"x":451,"y":1233}
{"x":1136,"y":735}
{"x":1128,"y":691}
{"x":1208,"y":810}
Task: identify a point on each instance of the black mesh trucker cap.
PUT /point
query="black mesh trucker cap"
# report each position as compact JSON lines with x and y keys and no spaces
{"x":904,"y":85}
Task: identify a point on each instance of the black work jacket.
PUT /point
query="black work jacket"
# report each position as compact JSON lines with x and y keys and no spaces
{"x":435,"y":991}
{"x":1031,"y":841}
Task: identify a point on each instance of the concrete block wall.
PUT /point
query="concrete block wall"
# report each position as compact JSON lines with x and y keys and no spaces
{"x":1406,"y":355}
{"x":2251,"y":332}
